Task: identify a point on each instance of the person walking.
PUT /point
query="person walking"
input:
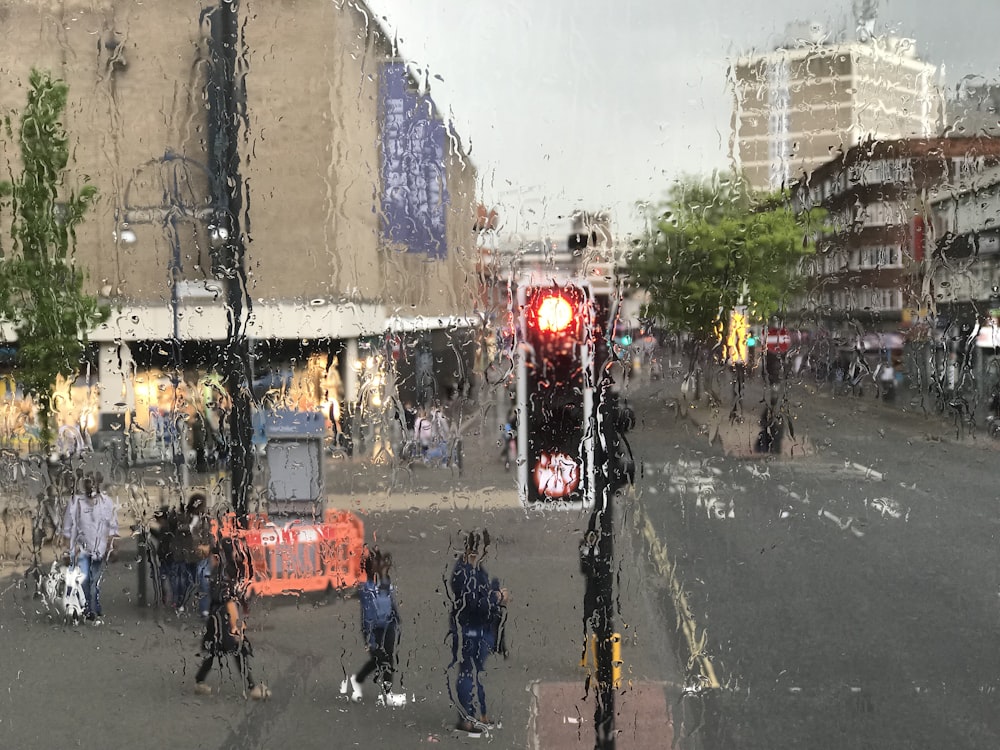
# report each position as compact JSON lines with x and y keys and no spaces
{"x":162,"y":531}
{"x":200,"y":525}
{"x":225,"y":634}
{"x":380,"y":628}
{"x":90,"y":526}
{"x":477,"y":620}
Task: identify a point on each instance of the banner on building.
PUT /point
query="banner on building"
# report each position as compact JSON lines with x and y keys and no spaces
{"x":414,"y":189}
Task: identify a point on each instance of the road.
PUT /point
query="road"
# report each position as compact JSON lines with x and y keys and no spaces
{"x":840,"y":594}
{"x":847,"y":596}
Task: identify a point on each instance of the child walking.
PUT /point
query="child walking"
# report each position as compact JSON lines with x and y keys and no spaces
{"x":380,"y":628}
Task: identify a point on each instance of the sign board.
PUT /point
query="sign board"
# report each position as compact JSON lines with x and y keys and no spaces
{"x":778,"y":340}
{"x":414,"y":185}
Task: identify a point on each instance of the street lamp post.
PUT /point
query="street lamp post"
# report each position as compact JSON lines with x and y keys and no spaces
{"x":175,"y":180}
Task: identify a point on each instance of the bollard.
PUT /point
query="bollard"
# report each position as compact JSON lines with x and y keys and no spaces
{"x":142,"y":551}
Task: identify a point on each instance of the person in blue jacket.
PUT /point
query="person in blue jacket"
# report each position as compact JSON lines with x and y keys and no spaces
{"x":380,"y":626}
{"x":476,"y":629}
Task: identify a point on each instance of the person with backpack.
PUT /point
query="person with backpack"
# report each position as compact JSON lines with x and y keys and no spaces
{"x":191,"y":545}
{"x":478,"y":617}
{"x":225,"y":630}
{"x":380,"y":627}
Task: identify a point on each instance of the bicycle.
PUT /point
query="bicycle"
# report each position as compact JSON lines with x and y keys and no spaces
{"x":11,"y":469}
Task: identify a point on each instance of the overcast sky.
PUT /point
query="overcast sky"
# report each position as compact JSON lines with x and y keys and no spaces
{"x":595,"y":104}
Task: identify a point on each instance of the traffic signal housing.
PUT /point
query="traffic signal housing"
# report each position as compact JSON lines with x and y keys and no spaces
{"x":555,"y":394}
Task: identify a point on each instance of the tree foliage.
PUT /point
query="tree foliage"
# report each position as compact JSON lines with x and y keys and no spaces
{"x":41,"y":288}
{"x":712,"y":246}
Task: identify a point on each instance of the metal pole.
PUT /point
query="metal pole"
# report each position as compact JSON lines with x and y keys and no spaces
{"x":602,"y":617}
{"x":179,"y":423}
{"x":230,"y":111}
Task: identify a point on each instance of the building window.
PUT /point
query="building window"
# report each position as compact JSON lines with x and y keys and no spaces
{"x":879,"y":256}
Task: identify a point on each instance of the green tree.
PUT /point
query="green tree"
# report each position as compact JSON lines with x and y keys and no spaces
{"x":41,"y":288}
{"x":713,"y":246}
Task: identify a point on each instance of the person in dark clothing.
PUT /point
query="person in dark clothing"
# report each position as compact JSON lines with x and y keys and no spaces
{"x":380,"y":627}
{"x":476,"y":630}
{"x":192,"y":546}
{"x":225,"y":636}
{"x":161,"y":555}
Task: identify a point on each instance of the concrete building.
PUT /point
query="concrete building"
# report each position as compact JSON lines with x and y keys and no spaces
{"x":964,"y":277}
{"x":879,"y":197}
{"x":882,"y":274}
{"x":797,"y":106}
{"x":358,"y":199}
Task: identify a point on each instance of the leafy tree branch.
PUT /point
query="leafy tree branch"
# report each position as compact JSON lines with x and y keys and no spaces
{"x":41,"y":287}
{"x":712,"y":246}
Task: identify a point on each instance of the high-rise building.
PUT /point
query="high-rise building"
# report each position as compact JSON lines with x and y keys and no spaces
{"x":800,"y":104}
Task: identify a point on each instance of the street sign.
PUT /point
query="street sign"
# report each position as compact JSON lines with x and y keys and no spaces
{"x":778,"y":340}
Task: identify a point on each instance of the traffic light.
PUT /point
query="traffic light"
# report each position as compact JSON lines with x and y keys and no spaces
{"x":555,"y":394}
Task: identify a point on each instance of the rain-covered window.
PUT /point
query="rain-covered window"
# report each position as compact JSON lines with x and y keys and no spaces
{"x":545,"y":374}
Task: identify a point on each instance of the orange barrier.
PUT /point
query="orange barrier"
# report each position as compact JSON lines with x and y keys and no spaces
{"x":299,"y":556}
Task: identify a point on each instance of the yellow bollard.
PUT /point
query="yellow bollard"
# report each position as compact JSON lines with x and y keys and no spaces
{"x":589,"y":659}
{"x":616,"y":660}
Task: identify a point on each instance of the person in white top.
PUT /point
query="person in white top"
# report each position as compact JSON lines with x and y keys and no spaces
{"x":90,"y":527}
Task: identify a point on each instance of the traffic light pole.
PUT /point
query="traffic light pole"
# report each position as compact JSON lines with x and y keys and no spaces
{"x":599,"y":597}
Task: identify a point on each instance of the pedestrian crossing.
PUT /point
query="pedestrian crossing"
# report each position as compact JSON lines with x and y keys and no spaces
{"x":695,"y":479}
{"x":846,"y":496}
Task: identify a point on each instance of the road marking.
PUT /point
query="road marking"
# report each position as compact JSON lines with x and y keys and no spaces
{"x":847,"y":525}
{"x":696,"y":644}
{"x":690,"y":476}
{"x":866,"y":471}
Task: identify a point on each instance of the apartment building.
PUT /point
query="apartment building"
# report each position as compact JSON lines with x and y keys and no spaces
{"x":964,"y":273}
{"x":877,"y":268}
{"x":358,"y":198}
{"x":798,"y":105}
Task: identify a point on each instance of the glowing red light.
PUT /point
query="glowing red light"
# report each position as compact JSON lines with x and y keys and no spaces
{"x":555,"y":313}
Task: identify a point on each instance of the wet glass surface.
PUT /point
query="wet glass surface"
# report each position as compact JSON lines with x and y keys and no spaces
{"x":637,"y":364}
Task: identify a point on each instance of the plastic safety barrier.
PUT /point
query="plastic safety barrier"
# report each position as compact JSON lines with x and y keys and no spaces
{"x":299,"y":556}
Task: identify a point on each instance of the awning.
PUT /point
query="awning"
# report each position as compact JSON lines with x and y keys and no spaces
{"x":397,"y":324}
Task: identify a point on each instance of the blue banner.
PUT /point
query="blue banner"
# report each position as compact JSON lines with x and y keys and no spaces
{"x":414,"y":191}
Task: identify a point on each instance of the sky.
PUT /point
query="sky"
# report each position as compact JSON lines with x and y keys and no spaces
{"x":599,"y":105}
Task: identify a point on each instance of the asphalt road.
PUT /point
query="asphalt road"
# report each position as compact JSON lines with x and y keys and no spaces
{"x":846,"y":597}
{"x":842,"y":594}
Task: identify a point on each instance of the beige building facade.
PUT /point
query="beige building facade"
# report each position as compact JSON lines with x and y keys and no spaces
{"x":802,"y":103}
{"x":323,"y":261}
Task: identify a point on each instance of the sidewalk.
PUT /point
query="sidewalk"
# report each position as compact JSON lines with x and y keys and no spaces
{"x":733,"y":424}
{"x":713,"y":417}
{"x":141,"y":662}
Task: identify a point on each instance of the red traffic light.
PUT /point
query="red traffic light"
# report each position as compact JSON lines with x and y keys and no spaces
{"x":554,"y":310}
{"x":555,"y":313}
